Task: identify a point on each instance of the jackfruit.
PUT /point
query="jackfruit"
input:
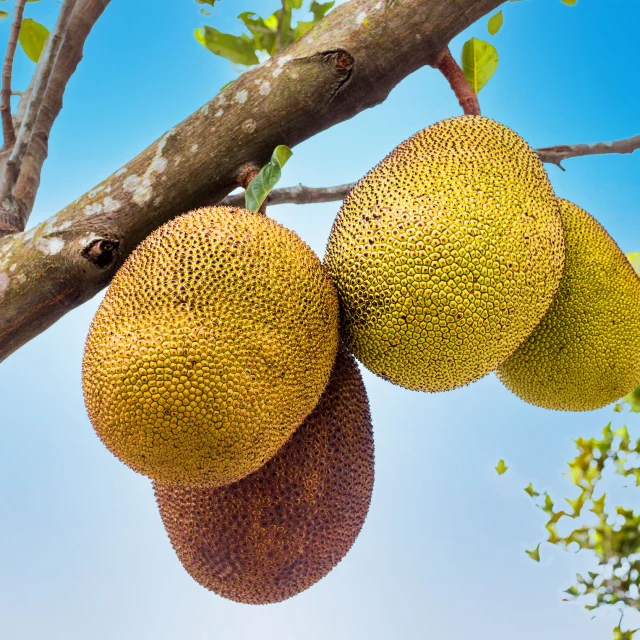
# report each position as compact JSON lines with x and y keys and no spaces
{"x":447,"y":254}
{"x":585,"y":353}
{"x":278,"y":531}
{"x":213,"y":343}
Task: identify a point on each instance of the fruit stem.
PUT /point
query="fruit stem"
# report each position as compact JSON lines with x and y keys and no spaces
{"x":451,"y":70}
{"x":245,"y":176}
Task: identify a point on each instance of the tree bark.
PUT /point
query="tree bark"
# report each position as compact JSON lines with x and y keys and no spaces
{"x":348,"y":62}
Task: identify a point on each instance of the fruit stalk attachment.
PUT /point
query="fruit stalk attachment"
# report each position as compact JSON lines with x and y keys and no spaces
{"x":245,"y":178}
{"x":451,"y":70}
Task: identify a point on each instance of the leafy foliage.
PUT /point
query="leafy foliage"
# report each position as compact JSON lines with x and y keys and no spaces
{"x":265,"y":36}
{"x":611,"y":534}
{"x":479,"y":62}
{"x":269,"y":176}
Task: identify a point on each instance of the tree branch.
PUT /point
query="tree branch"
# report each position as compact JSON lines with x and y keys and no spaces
{"x":40,"y":105}
{"x":451,"y":70}
{"x":281,"y":26}
{"x":556,"y":155}
{"x":311,"y":195}
{"x":339,"y":68}
{"x":7,"y":70}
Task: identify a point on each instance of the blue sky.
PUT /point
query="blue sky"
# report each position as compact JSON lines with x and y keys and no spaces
{"x":82,"y":550}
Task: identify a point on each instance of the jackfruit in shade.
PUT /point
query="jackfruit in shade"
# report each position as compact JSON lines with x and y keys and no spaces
{"x":213,"y":343}
{"x":585,"y":353}
{"x":280,"y":530}
{"x":447,"y":254}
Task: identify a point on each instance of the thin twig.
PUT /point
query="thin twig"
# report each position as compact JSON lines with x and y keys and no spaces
{"x":280,"y":34}
{"x":553,"y":155}
{"x":43,"y":75}
{"x":556,"y":155}
{"x":36,"y":99}
{"x":295,"y":195}
{"x":451,"y":70}
{"x":7,"y":70}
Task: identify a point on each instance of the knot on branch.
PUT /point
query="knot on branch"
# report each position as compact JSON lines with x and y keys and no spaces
{"x":341,"y":61}
{"x":102,"y":253}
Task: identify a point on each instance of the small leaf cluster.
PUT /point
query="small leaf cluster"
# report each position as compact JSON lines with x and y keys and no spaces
{"x":265,"y":36}
{"x":612,"y":534}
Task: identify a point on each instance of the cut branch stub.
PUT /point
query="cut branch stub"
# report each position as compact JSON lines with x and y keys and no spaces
{"x":103,"y":253}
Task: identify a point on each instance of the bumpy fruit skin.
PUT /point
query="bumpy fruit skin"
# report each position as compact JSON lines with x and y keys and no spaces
{"x":585,"y":353}
{"x":275,"y":533}
{"x":447,"y":254}
{"x":213,"y":343}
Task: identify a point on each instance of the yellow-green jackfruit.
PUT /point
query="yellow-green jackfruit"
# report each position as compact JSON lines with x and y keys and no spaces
{"x":213,"y":343}
{"x":447,"y":254}
{"x":281,"y":529}
{"x":585,"y":353}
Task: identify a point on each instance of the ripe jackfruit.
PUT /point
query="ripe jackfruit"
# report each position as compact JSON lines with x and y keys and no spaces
{"x":278,"y":531}
{"x":447,"y":254}
{"x":585,"y":353}
{"x":213,"y":343}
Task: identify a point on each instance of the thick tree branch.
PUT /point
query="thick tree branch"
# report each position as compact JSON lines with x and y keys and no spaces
{"x":451,"y":70}
{"x":311,"y":195}
{"x":40,"y":105}
{"x":348,"y":62}
{"x":7,"y":71}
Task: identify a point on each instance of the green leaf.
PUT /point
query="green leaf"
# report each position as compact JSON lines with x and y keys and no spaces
{"x":598,"y":505}
{"x":301,"y":29}
{"x":635,"y":261}
{"x":633,"y":400}
{"x":320,"y":9}
{"x":534,"y":554}
{"x":570,"y":2}
{"x":479,"y":62}
{"x":501,"y":467}
{"x":237,"y":49}
{"x":260,"y":187}
{"x":573,"y":591}
{"x":4,"y":15}
{"x":33,"y":37}
{"x":531,"y":491}
{"x":495,"y":22}
{"x":264,"y":36}
{"x":209,"y":2}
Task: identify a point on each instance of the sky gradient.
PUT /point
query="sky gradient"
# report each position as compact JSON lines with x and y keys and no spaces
{"x":83,"y":553}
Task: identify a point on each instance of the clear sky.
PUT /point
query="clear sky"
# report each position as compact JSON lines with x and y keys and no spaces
{"x":82,"y":550}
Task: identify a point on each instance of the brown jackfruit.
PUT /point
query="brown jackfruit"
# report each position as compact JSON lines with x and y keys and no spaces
{"x":447,"y":254}
{"x":281,"y":529}
{"x":585,"y":353}
{"x":213,"y":343}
